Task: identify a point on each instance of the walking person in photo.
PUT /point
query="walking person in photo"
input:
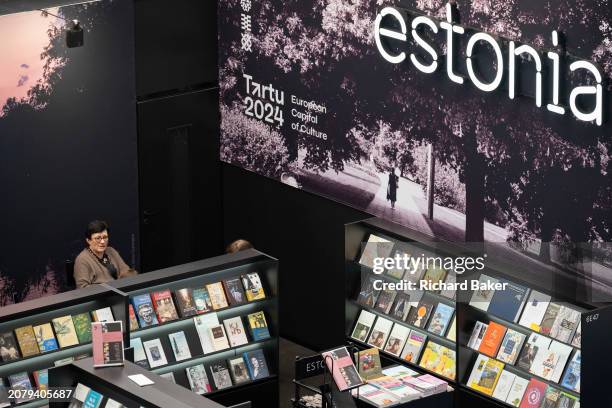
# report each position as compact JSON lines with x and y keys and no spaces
{"x":392,"y":187}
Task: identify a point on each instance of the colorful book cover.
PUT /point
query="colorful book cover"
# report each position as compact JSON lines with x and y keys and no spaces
{"x":551,"y":397}
{"x":440,"y":360}
{"x":186,"y":304}
{"x":65,"y":331}
{"x":449,"y":291}
{"x":380,"y":332}
{"x":155,"y":353}
{"x":534,"y":310}
{"x":221,"y":375}
{"x":41,"y":379}
{"x":385,"y":301}
{"x":478,"y":333}
{"x":239,"y":370}
{"x":140,"y":357}
{"x":571,"y":378}
{"x":143,"y":306}
{"x":253,"y":288}
{"x":164,"y":306}
{"x":549,"y":363}
{"x":235,"y":331}
{"x":375,"y":247}
{"x":397,"y":339}
{"x":511,"y":346}
{"x":401,"y":307}
{"x":481,"y":297}
{"x":534,"y":395}
{"x":376,"y":397}
{"x":565,"y":324}
{"x":504,"y":384}
{"x":234,"y":291}
{"x":257,"y":365}
{"x":397,"y":388}
{"x":339,"y":363}
{"x":367,"y":294}
{"x":45,"y":338}
{"x":198,"y":380}
{"x":414,"y":346}
{"x":567,"y":401}
{"x":515,"y":396}
{"x":8,"y":347}
{"x":419,"y":315}
{"x":82,"y":325}
{"x":27,"y":341}
{"x":508,"y":303}
{"x":217,"y":295}
{"x":93,"y":399}
{"x":363,"y":325}
{"x":218,"y":337}
{"x":492,"y":339}
{"x":531,"y":349}
{"x":133,"y":320}
{"x":180,"y":346}
{"x":440,"y":319}
{"x":21,"y":382}
{"x":79,"y":396}
{"x":107,"y":339}
{"x":202,"y":301}
{"x":485,"y":375}
{"x":368,"y":364}
{"x":549,"y":318}
{"x":258,"y":326}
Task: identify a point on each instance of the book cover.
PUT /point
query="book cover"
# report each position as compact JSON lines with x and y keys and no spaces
{"x":368,"y":363}
{"x":397,"y":339}
{"x":571,"y":378}
{"x":508,"y":304}
{"x":238,"y":370}
{"x":434,"y":275}
{"x":340,"y":364}
{"x":169,"y":376}
{"x":94,"y":398}
{"x":375,"y":247}
{"x":41,"y":379}
{"x":478,"y":333}
{"x":186,"y":304}
{"x":399,"y":371}
{"x":549,"y":318}
{"x":45,"y":338}
{"x":527,"y":356}
{"x":567,"y":401}
{"x":380,"y":332}
{"x":234,"y":290}
{"x":202,"y":301}
{"x":218,"y":337}
{"x":481,"y":298}
{"x":363,"y":325}
{"x":253,"y":287}
{"x":397,"y":388}
{"x":449,"y":292}
{"x":258,"y":326}
{"x":440,"y":319}
{"x":551,"y":397}
{"x":65,"y":331}
{"x":394,"y":272}
{"x":419,"y":315}
{"x":257,"y":365}
{"x":504,"y":384}
{"x":439,"y":359}
{"x":4,"y":397}
{"x":565,"y":324}
{"x":198,"y":380}
{"x":164,"y":306}
{"x":485,"y":374}
{"x":111,"y":403}
{"x":27,"y":341}
{"x":492,"y":339}
{"x":79,"y":396}
{"x":202,"y":324}
{"x":140,"y":358}
{"x":107,"y":339}
{"x":217,"y":295}
{"x":414,"y":346}
{"x":82,"y":325}
{"x":21,"y":382}
{"x":367,"y":294}
{"x":221,"y":375}
{"x":133,"y":320}
{"x":452,"y":331}
{"x":511,"y":346}
{"x":180,"y":347}
{"x":8,"y":347}
{"x":385,"y":301}
{"x":401,"y":306}
{"x":577,"y":339}
{"x":143,"y":306}
{"x":534,"y":395}
{"x":534,"y":311}
{"x":103,"y":315}
{"x":235,"y":331}
{"x":155,"y":353}
{"x":376,"y":397}
{"x":515,"y":396}
{"x":549,"y":363}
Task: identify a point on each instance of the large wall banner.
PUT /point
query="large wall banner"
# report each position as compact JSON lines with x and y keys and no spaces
{"x":502,"y":105}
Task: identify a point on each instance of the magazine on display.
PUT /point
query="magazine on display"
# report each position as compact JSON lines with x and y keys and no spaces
{"x":340,"y":364}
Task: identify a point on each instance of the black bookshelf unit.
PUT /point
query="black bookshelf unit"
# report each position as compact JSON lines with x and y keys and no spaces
{"x":261,"y":392}
{"x":43,"y":310}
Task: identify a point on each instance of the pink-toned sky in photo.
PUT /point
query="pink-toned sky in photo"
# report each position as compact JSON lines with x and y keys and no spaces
{"x":24,"y":36}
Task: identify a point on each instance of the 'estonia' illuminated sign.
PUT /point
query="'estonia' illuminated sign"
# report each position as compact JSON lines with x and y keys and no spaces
{"x":395,"y":27}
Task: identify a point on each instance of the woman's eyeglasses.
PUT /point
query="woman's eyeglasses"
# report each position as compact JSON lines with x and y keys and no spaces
{"x":100,"y":239}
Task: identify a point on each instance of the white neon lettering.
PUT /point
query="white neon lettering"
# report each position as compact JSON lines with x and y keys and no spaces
{"x":401,"y":36}
{"x":428,"y":69}
{"x":597,"y":90}
{"x":512,"y":54}
{"x":483,"y":86}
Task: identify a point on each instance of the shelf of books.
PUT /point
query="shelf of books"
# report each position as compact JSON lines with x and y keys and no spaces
{"x":210,"y":326}
{"x":387,"y":308}
{"x":46,"y":332}
{"x":117,"y":387}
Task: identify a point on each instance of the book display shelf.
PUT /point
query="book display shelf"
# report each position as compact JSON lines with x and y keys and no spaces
{"x":210,"y":326}
{"x":112,"y":387}
{"x":46,"y":332}
{"x":409,"y":326}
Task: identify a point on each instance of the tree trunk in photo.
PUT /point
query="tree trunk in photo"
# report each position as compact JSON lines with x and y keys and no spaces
{"x":546,"y":236}
{"x":474,"y":191}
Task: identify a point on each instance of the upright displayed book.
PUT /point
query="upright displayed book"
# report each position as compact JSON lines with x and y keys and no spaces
{"x":492,"y":339}
{"x":8,"y":347}
{"x":238,"y":370}
{"x":549,"y":318}
{"x":27,"y":341}
{"x":363,"y":325}
{"x":380,"y":333}
{"x":65,"y":331}
{"x":218,"y":337}
{"x":478,"y":334}
{"x":257,"y":364}
{"x":45,"y":338}
{"x":368,"y":364}
{"x":79,"y":396}
{"x":511,"y":346}
{"x":164,"y":306}
{"x":551,"y":397}
{"x":440,"y":360}
{"x":258,"y":326}
{"x":4,"y":397}
{"x":140,"y":357}
{"x":107,"y":339}
{"x":21,"y":382}
{"x":198,"y":380}
{"x":253,"y":287}
{"x":385,"y":301}
{"x":504,"y":384}
{"x":375,"y":247}
{"x":340,"y":364}
{"x":202,"y":324}
{"x":414,"y":345}
{"x":534,"y":311}
{"x":180,"y":346}
{"x":221,"y":375}
{"x":82,"y":325}
{"x":367,"y":294}
{"x":485,"y":374}
{"x":41,"y":379}
{"x":133,"y":320}
{"x":155,"y":353}
{"x":419,"y":315}
{"x":571,"y":378}
{"x":577,"y":339}
{"x":235,"y":331}
{"x":549,"y":362}
{"x":534,"y":345}
{"x":397,"y":339}
{"x":185,"y":303}
{"x":234,"y":290}
{"x":515,"y":396}
{"x":217,"y":295}
{"x":401,"y":307}
{"x":102,"y":315}
{"x":93,"y":399}
{"x":441,"y":319}
{"x":509,"y":302}
{"x":534,"y":395}
{"x":434,"y":275}
{"x":201,"y":298}
{"x":565,"y":324}
{"x":481,"y":298}
{"x":143,"y":307}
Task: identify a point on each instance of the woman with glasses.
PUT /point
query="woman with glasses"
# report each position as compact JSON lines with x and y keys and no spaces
{"x":98,"y":262}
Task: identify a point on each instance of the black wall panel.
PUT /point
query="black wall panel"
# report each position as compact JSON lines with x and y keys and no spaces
{"x":306,"y":233}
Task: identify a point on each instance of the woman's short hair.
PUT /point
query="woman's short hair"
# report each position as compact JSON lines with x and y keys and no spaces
{"x":95,"y":227}
{"x":238,"y":245}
